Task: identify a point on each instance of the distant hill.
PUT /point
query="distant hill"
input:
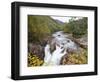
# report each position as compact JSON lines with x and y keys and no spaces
{"x":60,"y":22}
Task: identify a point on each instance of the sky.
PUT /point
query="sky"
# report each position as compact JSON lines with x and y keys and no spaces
{"x":63,"y":19}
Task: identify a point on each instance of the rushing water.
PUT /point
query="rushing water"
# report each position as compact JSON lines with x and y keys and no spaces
{"x":63,"y":44}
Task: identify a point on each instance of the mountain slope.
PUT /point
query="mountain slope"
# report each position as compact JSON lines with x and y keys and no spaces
{"x":41,"y":26}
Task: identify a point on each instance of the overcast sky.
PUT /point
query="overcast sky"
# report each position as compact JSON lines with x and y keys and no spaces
{"x":63,"y":19}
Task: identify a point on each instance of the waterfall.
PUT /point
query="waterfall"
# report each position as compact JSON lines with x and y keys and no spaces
{"x":62,"y":44}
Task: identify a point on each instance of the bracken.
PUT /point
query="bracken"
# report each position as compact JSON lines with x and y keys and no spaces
{"x":34,"y":60}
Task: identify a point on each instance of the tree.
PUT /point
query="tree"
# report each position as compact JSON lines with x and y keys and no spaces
{"x":77,"y":27}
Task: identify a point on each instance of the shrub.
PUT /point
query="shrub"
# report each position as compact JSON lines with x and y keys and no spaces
{"x":76,"y":58}
{"x":34,"y":60}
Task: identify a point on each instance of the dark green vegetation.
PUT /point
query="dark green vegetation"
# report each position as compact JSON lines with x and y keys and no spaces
{"x":77,"y":28}
{"x":41,"y":27}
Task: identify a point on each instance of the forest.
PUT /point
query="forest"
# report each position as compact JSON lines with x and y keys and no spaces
{"x":40,"y":28}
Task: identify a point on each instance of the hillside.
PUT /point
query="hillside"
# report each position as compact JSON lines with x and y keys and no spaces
{"x":40,"y":26}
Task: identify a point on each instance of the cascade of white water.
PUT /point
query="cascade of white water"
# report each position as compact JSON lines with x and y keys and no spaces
{"x":64,"y":43}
